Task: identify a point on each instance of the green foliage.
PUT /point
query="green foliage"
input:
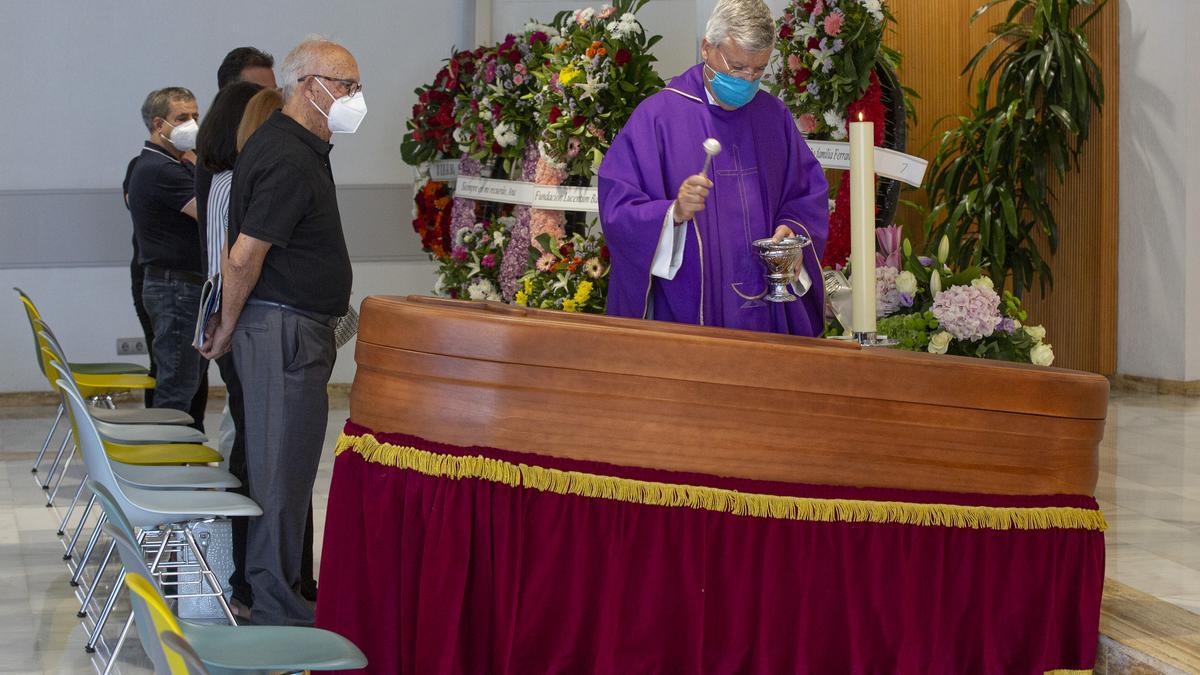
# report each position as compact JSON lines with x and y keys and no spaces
{"x":991,"y":183}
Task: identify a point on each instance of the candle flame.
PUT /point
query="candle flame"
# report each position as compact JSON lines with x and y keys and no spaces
{"x":860,"y":116}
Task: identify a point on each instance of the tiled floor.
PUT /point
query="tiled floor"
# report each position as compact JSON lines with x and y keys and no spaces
{"x":39,"y":632}
{"x":1149,"y":488}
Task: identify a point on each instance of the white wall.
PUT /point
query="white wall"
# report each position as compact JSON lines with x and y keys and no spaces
{"x":90,"y":307}
{"x":1159,"y":283}
{"x":82,"y":69}
{"x":79,"y":72}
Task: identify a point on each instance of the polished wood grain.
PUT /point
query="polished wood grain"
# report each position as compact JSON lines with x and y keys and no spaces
{"x":722,"y":402}
{"x":1080,"y":314}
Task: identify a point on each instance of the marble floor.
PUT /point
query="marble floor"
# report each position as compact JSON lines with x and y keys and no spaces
{"x":1149,"y":488}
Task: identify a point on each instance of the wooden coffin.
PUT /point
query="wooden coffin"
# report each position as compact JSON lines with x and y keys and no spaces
{"x":723,"y":402}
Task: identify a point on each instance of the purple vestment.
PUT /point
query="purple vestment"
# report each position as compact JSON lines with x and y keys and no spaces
{"x":764,"y":177}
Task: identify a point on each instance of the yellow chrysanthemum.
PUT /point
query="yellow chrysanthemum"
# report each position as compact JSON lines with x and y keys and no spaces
{"x":569,"y":74}
{"x":528,"y":286}
{"x":569,"y":305}
{"x":583,"y":292}
{"x":521,"y":298}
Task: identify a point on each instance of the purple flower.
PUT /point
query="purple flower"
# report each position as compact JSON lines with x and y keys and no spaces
{"x":889,"y":239}
{"x":968,"y":313}
{"x":488,"y":261}
{"x":1007,"y":325}
{"x":906,"y":300}
{"x":459,"y":253}
{"x":925,"y":261}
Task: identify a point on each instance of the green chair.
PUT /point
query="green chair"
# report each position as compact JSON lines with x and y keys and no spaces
{"x":255,"y":649}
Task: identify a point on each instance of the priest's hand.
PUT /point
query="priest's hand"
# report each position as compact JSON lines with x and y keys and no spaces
{"x":690,"y":199}
{"x":782,"y":232}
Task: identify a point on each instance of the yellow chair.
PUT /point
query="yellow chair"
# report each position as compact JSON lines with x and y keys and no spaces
{"x":148,"y":603}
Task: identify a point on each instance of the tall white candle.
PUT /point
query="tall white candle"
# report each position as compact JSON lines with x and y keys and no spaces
{"x":862,"y":224}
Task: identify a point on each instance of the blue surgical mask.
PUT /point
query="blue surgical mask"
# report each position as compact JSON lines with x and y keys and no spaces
{"x":730,"y":90}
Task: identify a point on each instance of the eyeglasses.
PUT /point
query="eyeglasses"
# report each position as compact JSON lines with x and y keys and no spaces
{"x":352,"y":86}
{"x":742,"y":71}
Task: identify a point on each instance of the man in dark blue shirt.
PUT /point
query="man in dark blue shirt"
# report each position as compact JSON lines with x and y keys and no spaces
{"x":163,"y":206}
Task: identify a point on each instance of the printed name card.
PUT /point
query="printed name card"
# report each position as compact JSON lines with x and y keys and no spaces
{"x":564,"y":198}
{"x":444,"y":170}
{"x":494,"y":190}
{"x":889,"y":163}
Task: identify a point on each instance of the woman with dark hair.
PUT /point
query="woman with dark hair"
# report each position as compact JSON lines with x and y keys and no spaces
{"x":216,"y":152}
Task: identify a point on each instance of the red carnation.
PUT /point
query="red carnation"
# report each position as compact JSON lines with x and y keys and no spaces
{"x":813,"y":43}
{"x":622,"y":56}
{"x":514,"y":56}
{"x":604,"y":252}
{"x":578,"y":120}
{"x":538,"y":36}
{"x":786,"y":32}
{"x":567,"y":250}
{"x":555,"y":113}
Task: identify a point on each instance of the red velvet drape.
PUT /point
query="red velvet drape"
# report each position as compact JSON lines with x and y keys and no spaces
{"x":433,"y":575}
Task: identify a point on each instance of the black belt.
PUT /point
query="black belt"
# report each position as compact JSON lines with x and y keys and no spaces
{"x":327,"y":319}
{"x":164,"y":274}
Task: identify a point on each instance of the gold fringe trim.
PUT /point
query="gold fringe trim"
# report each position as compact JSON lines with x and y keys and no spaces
{"x":718,"y":499}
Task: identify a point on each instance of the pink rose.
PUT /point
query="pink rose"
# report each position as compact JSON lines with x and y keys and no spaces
{"x":518,"y":79}
{"x":793,"y":62}
{"x":833,"y":23}
{"x":807,"y":123}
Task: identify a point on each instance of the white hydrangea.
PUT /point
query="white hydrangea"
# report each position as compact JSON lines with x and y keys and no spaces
{"x":506,"y":135}
{"x":837,"y":124}
{"x":874,"y":8}
{"x":463,"y":137}
{"x":483,"y":289}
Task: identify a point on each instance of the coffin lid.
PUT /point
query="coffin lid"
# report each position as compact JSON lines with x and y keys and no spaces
{"x":490,"y":331}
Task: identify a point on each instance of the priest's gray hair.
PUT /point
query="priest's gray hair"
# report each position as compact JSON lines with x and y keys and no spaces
{"x":747,"y":22}
{"x":301,"y":61}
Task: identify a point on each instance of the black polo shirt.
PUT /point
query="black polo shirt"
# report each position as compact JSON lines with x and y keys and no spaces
{"x":159,"y":187}
{"x":283,"y":194}
{"x":203,"y":187}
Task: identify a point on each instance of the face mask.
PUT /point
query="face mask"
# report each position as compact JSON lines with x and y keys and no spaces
{"x":183,"y":137}
{"x":730,"y":90}
{"x":346,"y":113}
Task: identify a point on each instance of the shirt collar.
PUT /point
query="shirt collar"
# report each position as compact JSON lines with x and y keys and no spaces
{"x":157,"y":149}
{"x":281,"y":121}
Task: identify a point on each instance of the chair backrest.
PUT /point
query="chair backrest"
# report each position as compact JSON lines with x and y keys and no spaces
{"x":33,"y":315}
{"x":86,"y":435}
{"x":151,"y":615}
{"x":179,"y":644}
{"x":48,"y":341}
{"x":116,"y":515}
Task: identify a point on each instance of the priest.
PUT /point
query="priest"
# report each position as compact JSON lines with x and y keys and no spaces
{"x":681,"y":241}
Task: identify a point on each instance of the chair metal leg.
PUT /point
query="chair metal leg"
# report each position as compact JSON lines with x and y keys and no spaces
{"x":103,"y":618}
{"x":112,"y":658}
{"x":49,"y":437}
{"x":207,"y":575}
{"x":87,"y":552}
{"x":115,"y":592}
{"x":57,"y":458}
{"x":79,"y":530}
{"x":62,"y":527}
{"x":62,"y":476}
{"x":87,"y":599}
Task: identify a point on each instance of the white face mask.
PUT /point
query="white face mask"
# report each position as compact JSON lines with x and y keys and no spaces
{"x":346,"y":113}
{"x":183,"y":137}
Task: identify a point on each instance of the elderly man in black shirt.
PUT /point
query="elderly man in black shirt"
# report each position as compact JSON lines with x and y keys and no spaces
{"x":285,"y":281}
{"x":163,"y":207}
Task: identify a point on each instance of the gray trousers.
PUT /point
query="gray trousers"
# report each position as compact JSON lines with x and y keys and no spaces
{"x":284,"y":361}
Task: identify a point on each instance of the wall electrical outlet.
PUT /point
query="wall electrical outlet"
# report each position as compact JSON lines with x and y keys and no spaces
{"x":131,"y":346}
